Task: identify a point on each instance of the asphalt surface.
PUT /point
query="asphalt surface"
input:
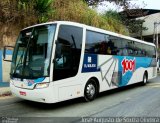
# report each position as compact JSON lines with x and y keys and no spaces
{"x":132,"y":101}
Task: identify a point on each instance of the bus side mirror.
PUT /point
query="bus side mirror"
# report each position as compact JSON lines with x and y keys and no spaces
{"x":7,"y":50}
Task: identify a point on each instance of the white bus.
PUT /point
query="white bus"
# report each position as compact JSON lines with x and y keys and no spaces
{"x":61,"y":60}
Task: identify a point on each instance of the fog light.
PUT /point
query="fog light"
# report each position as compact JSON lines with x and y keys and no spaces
{"x":42,"y":85}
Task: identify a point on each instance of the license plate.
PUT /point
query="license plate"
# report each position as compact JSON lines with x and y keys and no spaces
{"x":22,"y":93}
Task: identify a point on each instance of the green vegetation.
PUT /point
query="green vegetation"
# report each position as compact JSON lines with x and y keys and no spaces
{"x":21,"y":13}
{"x":78,"y":11}
{"x":114,"y":19}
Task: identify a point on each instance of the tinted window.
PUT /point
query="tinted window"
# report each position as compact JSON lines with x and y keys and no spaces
{"x":114,"y":44}
{"x":127,"y":48}
{"x":150,"y":51}
{"x":153,"y":51}
{"x":139,"y":49}
{"x":144,"y":50}
{"x":98,"y":43}
{"x":68,"y":52}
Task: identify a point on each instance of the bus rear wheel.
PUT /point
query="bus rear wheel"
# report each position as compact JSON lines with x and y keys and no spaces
{"x":90,"y":91}
{"x":145,"y":78}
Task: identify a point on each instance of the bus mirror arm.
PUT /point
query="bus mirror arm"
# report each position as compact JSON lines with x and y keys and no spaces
{"x":56,"y":42}
{"x":54,"y":61}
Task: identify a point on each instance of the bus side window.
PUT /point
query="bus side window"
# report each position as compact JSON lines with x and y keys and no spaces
{"x":130,"y":52}
{"x":96,"y":43}
{"x":114,"y":45}
{"x":125,"y":52}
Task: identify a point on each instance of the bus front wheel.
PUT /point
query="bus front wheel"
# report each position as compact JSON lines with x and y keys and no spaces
{"x":90,"y":91}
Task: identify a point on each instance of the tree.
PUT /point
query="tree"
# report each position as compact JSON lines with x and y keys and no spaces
{"x":21,"y":13}
{"x":134,"y":26}
{"x":17,"y":14}
{"x":43,"y":9}
{"x":40,"y":8}
{"x":115,"y":19}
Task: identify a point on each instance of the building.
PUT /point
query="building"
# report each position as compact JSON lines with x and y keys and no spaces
{"x":151,"y":22}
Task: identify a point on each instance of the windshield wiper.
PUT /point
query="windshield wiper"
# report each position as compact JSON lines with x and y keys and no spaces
{"x":25,"y":55}
{"x":73,"y":39}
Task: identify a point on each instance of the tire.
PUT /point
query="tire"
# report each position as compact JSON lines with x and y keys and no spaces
{"x":145,"y":78}
{"x":90,"y":91}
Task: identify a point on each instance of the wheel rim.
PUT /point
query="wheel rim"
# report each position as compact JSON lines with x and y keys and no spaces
{"x":90,"y":90}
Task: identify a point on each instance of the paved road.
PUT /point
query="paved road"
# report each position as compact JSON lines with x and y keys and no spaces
{"x":132,"y":101}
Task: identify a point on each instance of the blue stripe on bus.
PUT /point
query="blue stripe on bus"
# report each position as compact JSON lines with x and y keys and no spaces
{"x":90,"y":64}
{"x":142,"y":63}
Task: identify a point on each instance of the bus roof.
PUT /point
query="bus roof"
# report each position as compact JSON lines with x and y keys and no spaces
{"x":92,"y":29}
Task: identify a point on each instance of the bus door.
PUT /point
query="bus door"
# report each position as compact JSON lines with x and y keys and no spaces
{"x":68,"y":52}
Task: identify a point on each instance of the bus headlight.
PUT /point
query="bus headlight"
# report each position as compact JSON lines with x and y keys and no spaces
{"x":42,"y":85}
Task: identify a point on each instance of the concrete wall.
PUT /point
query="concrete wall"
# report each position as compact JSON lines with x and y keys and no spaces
{"x":5,"y":66}
{"x":149,"y":23}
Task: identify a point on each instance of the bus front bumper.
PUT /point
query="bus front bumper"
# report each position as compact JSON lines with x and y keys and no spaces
{"x":44,"y":95}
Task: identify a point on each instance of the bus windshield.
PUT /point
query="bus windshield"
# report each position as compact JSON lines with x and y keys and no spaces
{"x":32,"y":52}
